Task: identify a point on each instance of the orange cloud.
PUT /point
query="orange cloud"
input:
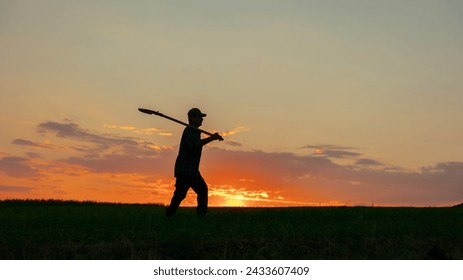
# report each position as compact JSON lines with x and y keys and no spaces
{"x":144,"y":131}
{"x":28,"y":143}
{"x":235,"y":131}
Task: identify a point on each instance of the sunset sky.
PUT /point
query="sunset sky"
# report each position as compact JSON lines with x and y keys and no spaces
{"x":328,"y":102}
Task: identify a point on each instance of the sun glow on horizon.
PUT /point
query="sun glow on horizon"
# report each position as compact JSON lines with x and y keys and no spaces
{"x":235,"y":201}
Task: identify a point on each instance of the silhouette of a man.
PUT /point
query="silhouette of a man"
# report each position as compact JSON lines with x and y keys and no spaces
{"x":187,"y":165}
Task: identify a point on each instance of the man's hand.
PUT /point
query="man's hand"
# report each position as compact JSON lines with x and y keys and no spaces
{"x":217,"y":136}
{"x":209,"y":139}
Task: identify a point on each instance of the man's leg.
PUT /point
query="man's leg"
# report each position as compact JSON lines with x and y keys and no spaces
{"x":181,"y":189}
{"x":200,"y":188}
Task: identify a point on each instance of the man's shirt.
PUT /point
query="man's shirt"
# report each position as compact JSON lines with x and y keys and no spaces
{"x":189,"y":155}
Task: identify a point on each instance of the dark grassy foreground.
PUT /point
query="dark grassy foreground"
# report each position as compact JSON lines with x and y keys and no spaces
{"x":72,"y":230}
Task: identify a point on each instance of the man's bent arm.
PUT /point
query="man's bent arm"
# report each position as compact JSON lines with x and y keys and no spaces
{"x":209,"y":139}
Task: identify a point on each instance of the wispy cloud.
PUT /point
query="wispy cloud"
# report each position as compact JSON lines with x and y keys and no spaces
{"x":368,"y":162}
{"x":235,"y":131}
{"x":97,"y":144}
{"x":73,"y":131}
{"x":233,"y":143}
{"x":144,"y":131}
{"x":106,"y":153}
{"x":333,"y":151}
{"x":17,"y":167}
{"x":28,"y":143}
{"x":15,"y":189}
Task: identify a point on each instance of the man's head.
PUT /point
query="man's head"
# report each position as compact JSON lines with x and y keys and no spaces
{"x":195,"y":117}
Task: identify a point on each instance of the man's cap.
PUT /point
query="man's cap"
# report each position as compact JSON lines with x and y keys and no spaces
{"x":196,"y":112}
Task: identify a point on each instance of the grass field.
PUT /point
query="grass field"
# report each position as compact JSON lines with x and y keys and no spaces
{"x":87,"y":230}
